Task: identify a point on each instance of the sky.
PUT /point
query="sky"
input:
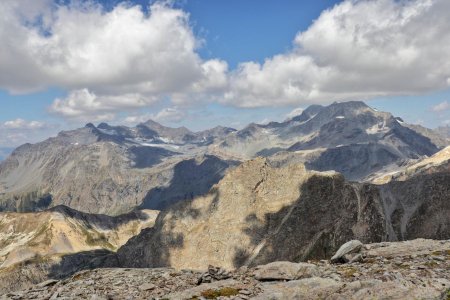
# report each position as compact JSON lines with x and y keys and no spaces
{"x":202,"y":63}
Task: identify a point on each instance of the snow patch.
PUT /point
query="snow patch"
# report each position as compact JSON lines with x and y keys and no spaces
{"x":340,"y":117}
{"x":165,"y":140}
{"x":377,"y":128}
{"x":160,"y":145}
{"x":107,"y":131}
{"x":150,"y":143}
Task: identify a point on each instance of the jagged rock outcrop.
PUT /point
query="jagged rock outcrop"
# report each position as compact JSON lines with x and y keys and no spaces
{"x":258,"y":214}
{"x":415,"y":269}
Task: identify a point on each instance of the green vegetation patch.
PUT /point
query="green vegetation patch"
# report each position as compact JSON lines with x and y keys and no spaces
{"x":95,"y":238}
{"x":348,"y":272}
{"x":223,"y":292}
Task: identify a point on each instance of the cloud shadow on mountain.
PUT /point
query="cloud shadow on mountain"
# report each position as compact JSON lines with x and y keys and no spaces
{"x":191,"y":178}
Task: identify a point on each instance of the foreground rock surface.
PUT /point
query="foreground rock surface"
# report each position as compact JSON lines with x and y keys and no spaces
{"x":415,"y":269}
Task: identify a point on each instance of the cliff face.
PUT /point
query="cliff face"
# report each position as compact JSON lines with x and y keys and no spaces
{"x":258,"y":214}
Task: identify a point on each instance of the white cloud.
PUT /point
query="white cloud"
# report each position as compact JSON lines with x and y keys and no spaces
{"x":135,"y":119}
{"x":170,"y":114}
{"x":357,"y":49}
{"x":166,"y":115}
{"x":125,"y":59}
{"x":443,"y":106}
{"x":23,"y":124}
{"x":19,"y":131}
{"x":85,"y":105}
{"x":295,"y":112}
{"x":119,"y":51}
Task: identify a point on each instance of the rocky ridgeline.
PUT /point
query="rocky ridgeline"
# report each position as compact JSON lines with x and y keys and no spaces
{"x":114,"y":169}
{"x":417,"y":269}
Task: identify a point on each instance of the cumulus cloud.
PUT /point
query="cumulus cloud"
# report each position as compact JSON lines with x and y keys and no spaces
{"x":126,"y":59}
{"x":23,"y":124}
{"x":84,"y":104}
{"x":441,"y":107}
{"x":170,"y":114}
{"x":123,"y":51}
{"x":19,"y":131}
{"x":166,"y":115}
{"x":357,"y":49}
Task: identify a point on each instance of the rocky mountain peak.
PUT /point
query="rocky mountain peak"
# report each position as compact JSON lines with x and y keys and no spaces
{"x":90,"y":125}
{"x":308,"y":113}
{"x":103,"y":125}
{"x":161,"y":128}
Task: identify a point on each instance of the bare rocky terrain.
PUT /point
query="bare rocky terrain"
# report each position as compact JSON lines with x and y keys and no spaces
{"x":417,"y":269}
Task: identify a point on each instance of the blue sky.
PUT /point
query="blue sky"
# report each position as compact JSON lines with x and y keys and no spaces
{"x":203,"y":63}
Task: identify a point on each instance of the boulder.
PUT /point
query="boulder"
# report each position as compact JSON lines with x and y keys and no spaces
{"x":353,"y":246}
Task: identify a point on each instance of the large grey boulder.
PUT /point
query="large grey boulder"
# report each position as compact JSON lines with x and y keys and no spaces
{"x":353,"y":246}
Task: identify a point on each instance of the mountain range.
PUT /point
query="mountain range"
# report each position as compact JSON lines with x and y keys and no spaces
{"x":115,"y":169}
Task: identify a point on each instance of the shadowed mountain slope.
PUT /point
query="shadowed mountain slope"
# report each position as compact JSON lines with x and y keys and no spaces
{"x":258,"y":214}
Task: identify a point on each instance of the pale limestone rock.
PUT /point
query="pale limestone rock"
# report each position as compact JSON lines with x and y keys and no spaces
{"x":353,"y":246}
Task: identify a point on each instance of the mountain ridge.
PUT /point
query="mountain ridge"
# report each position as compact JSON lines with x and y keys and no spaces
{"x":92,"y":167}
